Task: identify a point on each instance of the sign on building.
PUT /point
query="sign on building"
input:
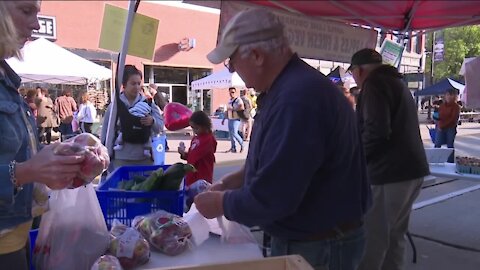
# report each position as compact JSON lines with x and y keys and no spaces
{"x":48,"y":28}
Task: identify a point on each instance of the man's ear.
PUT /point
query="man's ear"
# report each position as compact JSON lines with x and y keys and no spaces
{"x":258,"y":57}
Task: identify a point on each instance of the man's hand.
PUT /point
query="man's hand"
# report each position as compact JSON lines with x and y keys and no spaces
{"x":147,"y":120}
{"x":46,"y":167}
{"x":210,"y":203}
{"x":218,"y":186}
{"x":223,"y":121}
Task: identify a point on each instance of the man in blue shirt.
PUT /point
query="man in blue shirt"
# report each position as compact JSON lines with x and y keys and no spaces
{"x":304,"y":181}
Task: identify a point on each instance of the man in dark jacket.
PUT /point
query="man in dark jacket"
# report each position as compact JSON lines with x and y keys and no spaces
{"x":395,"y":155}
{"x":302,"y":187}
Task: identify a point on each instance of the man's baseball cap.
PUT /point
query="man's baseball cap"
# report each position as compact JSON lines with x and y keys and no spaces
{"x":246,"y":27}
{"x":365,"y":56}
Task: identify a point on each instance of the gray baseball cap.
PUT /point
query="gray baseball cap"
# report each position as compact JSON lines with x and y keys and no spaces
{"x":246,"y":27}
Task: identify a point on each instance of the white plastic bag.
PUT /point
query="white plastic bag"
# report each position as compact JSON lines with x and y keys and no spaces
{"x":198,"y":224}
{"x":73,"y":234}
{"x":235,"y":233}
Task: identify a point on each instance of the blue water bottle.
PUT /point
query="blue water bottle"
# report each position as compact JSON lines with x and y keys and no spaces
{"x":158,"y":149}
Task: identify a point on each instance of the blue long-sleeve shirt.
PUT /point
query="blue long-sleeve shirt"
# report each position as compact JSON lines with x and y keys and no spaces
{"x":305,"y":171}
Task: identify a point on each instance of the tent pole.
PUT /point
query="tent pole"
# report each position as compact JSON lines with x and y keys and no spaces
{"x":132,"y":8}
{"x":432,"y":56}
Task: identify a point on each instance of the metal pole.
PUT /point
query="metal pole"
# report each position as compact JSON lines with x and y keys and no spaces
{"x":132,"y":7}
{"x":432,"y":56}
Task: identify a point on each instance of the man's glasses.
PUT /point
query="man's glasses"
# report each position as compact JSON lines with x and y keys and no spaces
{"x":228,"y":65}
{"x":350,"y":71}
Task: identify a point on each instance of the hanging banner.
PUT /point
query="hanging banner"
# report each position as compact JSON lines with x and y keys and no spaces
{"x":312,"y":38}
{"x":471,"y":95}
{"x":438,"y":48}
{"x":143,"y":35}
{"x":391,"y":53}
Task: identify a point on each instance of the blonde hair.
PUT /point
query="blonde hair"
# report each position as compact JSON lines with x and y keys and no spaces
{"x":9,"y":45}
{"x":84,"y":98}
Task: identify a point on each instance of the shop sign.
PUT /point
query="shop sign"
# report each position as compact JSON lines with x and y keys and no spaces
{"x":48,"y":28}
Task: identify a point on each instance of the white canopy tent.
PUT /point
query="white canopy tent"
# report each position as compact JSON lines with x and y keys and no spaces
{"x":46,"y":62}
{"x":220,"y":79}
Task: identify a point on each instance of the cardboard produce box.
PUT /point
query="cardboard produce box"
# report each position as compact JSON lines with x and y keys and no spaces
{"x":290,"y":262}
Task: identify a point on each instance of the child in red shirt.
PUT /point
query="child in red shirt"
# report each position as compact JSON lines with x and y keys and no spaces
{"x":203,"y":146}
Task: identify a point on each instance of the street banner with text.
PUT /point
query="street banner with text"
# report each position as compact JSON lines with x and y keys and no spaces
{"x":313,"y":38}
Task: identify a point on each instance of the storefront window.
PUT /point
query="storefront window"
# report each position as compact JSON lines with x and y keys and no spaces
{"x":198,"y":73}
{"x":171,"y":75}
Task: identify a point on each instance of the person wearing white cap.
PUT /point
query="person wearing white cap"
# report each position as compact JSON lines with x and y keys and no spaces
{"x":302,"y":187}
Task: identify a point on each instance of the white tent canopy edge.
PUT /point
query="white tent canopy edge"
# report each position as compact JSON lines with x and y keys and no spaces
{"x":46,"y":62}
{"x":218,"y":80}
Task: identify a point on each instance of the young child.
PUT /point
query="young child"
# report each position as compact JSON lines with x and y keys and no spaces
{"x":140,"y":109}
{"x":203,"y":146}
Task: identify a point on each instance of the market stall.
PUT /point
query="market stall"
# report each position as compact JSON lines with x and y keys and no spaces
{"x":402,"y":21}
{"x":449,"y":170}
{"x":45,"y":62}
{"x":222,"y":79}
{"x":441,"y":87}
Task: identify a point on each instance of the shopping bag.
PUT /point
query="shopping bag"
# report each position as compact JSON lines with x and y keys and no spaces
{"x":235,"y":233}
{"x":73,"y":234}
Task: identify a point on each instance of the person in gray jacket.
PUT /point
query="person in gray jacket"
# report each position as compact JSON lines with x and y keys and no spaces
{"x":132,"y":152}
{"x":396,"y":161}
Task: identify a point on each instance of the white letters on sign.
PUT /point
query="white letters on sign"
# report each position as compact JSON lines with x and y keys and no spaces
{"x":48,"y":28}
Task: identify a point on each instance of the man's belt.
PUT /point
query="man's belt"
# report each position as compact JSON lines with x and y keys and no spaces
{"x":337,"y":232}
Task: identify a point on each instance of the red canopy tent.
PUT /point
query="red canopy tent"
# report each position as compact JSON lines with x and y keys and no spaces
{"x":400,"y":16}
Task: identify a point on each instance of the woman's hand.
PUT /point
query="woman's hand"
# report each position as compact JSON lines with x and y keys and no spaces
{"x":147,"y":120}
{"x":46,"y":167}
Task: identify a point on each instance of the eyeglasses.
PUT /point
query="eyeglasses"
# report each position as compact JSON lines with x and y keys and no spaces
{"x":228,"y":65}
{"x":350,"y":71}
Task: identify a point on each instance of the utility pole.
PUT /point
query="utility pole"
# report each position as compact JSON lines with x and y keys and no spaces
{"x":432,"y":56}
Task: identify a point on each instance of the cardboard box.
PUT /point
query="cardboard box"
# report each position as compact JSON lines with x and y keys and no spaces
{"x":290,"y":262}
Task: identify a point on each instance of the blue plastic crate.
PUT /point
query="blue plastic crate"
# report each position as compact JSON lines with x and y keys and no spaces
{"x":126,"y":205}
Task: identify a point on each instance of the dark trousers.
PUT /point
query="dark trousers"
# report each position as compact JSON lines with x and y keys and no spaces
{"x":86,"y":127}
{"x":446,"y":136}
{"x":45,"y":134}
{"x":65,"y":130}
{"x":18,"y":260}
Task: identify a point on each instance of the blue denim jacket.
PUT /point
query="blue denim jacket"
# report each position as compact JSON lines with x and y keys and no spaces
{"x":14,"y":208}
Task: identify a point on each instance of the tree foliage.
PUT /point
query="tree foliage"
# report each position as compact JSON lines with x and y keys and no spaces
{"x":460,"y":43}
